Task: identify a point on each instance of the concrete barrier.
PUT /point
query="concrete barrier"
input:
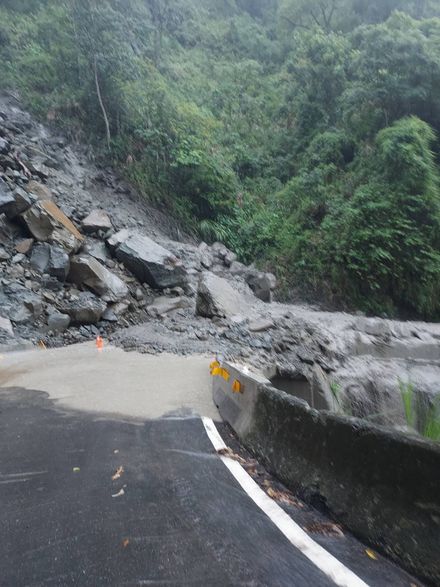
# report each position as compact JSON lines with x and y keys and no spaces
{"x":382,"y":485}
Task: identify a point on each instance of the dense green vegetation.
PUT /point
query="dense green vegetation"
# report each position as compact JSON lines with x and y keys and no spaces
{"x":303,"y":133}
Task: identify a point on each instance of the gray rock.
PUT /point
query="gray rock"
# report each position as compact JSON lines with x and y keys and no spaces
{"x":118,"y":238}
{"x":52,"y":260}
{"x":47,"y":223}
{"x":4,"y":255}
{"x":6,"y":200}
{"x":97,"y":220}
{"x":149,"y":262}
{"x":206,"y":256}
{"x":24,"y":246}
{"x":39,"y":190}
{"x":59,"y":263}
{"x":262,"y":284}
{"x":40,"y":257}
{"x":21,"y":304}
{"x":206,"y":261}
{"x":6,"y":326}
{"x":95,"y":249}
{"x":33,"y":302}
{"x":164,"y":305}
{"x":85,"y":270}
{"x":21,"y":201}
{"x":238,"y":269}
{"x":120,"y":308}
{"x":220,"y":250}
{"x":8,"y":230}
{"x":37,"y":167}
{"x":261,"y":325}
{"x":18,"y":258}
{"x":4,"y":146}
{"x":230,"y":258}
{"x":58,"y":322}
{"x":20,"y":314}
{"x":110,"y":316}
{"x":216,"y":297}
{"x":86,"y":309}
{"x":51,"y":283}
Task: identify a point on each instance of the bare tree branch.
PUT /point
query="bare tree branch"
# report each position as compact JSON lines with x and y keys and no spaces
{"x":101,"y":103}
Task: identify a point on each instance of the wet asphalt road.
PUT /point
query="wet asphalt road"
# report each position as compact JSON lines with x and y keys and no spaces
{"x":175,"y":516}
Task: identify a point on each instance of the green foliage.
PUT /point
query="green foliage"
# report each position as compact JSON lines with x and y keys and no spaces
{"x":407,"y":393}
{"x":303,"y":134}
{"x":432,"y":426}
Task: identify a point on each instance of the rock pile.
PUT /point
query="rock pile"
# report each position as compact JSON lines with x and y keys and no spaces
{"x":69,"y":269}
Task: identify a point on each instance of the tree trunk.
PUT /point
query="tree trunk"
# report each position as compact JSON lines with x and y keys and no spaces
{"x":101,"y":103}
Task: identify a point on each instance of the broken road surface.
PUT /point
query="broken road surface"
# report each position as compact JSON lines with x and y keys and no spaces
{"x":120,"y":484}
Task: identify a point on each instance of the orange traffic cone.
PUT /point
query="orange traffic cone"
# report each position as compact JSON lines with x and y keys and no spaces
{"x":99,"y":343}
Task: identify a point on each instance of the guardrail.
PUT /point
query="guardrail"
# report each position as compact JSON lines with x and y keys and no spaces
{"x":383,"y":485}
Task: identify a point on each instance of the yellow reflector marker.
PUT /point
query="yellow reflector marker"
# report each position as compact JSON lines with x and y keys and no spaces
{"x":225,"y":375}
{"x":219,"y":372}
{"x":214,"y":365}
{"x":237,"y":387}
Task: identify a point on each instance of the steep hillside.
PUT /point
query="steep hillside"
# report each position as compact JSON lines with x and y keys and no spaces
{"x":301,"y":134}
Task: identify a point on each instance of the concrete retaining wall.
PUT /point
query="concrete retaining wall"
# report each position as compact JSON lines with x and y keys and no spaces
{"x":382,"y":485}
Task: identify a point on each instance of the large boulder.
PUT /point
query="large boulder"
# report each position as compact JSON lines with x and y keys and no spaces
{"x":14,"y":203}
{"x":85,"y":270}
{"x":148,"y":261}
{"x":96,"y":221}
{"x":118,"y":239}
{"x":217,"y":298}
{"x":85,"y":309}
{"x":47,"y":223}
{"x":50,"y":259}
{"x":40,"y":258}
{"x":223,"y":254}
{"x":59,"y":263}
{"x":19,"y":304}
{"x":262,"y":284}
{"x":58,"y":322}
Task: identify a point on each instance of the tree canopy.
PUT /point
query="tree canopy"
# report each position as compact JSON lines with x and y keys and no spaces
{"x":302,"y":133}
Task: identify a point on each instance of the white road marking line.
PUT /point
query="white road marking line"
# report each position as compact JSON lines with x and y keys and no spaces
{"x":322,"y":559}
{"x":30,"y":474}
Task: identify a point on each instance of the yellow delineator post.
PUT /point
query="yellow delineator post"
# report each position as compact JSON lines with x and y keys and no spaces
{"x":217,"y":370}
